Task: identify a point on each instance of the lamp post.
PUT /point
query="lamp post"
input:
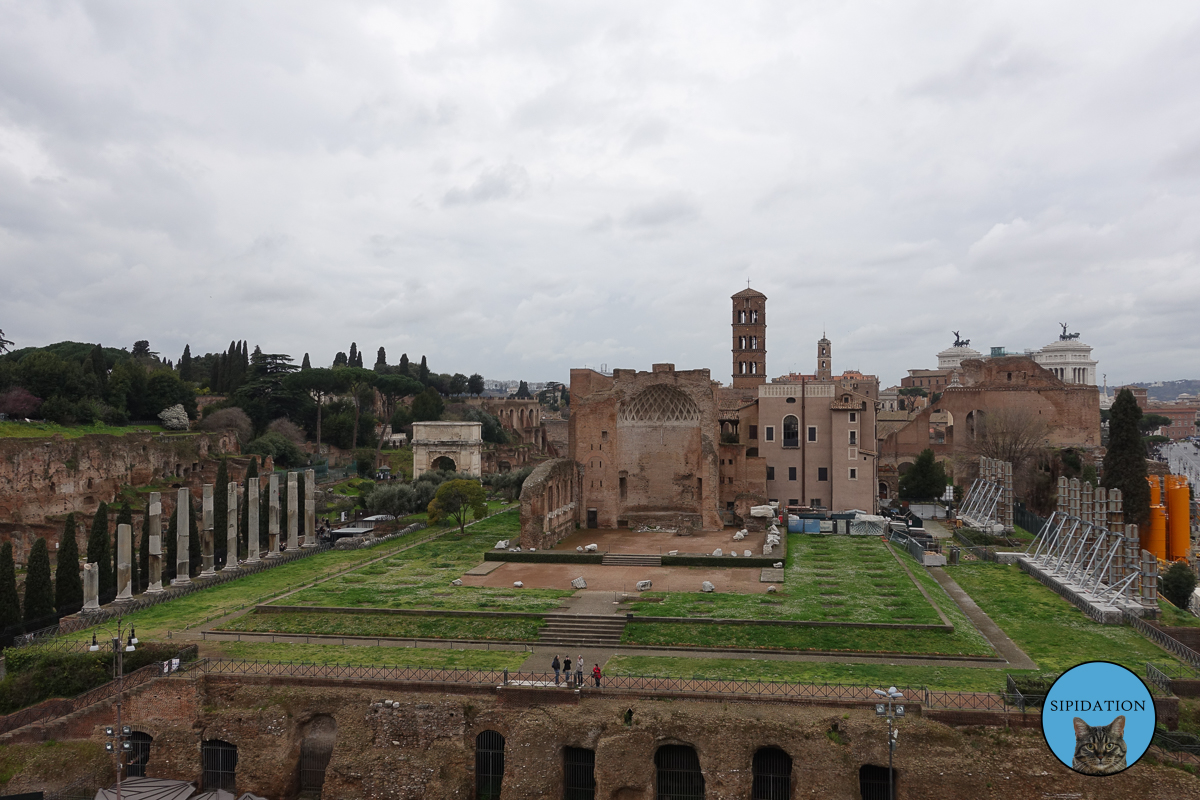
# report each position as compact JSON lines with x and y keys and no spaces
{"x":119,"y":736}
{"x":891,"y":694}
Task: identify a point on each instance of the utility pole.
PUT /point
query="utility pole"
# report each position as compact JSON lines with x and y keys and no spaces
{"x":891,"y":694}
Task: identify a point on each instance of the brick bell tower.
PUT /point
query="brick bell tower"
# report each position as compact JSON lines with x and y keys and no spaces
{"x":749,"y":338}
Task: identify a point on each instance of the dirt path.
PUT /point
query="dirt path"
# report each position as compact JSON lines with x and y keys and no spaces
{"x":999,"y":640}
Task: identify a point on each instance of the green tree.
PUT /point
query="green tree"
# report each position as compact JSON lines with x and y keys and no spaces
{"x":98,"y":549}
{"x":1125,"y":460}
{"x":457,"y":500}
{"x":318,"y":384}
{"x":475,"y":384}
{"x":305,"y":364}
{"x":99,"y":367}
{"x":1149,"y":423}
{"x":404,"y":369}
{"x":5,"y":344}
{"x":39,"y":591}
{"x":340,"y":360}
{"x":391,"y":388}
{"x":428,"y":406}
{"x":423,"y":372}
{"x":523,"y":392}
{"x":359,"y":383}
{"x":1178,"y":583}
{"x":353,"y":355}
{"x":381,"y":360}
{"x":68,"y":587}
{"x":185,"y":364}
{"x":10,"y":602}
{"x":220,"y":510}
{"x":925,"y":480}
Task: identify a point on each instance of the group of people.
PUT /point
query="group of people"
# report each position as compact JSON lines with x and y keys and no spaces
{"x":562,"y":671}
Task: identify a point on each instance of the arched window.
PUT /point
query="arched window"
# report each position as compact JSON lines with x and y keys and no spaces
{"x":772,"y":770}
{"x":315,"y":751}
{"x":791,"y":431}
{"x":579,"y":774}
{"x":139,"y":754}
{"x":489,"y":765}
{"x":218,"y":760}
{"x":678,"y":775}
{"x":873,"y":782}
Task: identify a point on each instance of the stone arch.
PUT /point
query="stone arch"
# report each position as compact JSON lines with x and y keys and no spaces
{"x":660,"y":404}
{"x":445,"y":463}
{"x":218,"y":761}
{"x":489,"y":765}
{"x":678,"y":773}
{"x":771,"y":768}
{"x":316,"y":748}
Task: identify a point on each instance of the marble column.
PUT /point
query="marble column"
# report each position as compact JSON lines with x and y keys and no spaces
{"x":91,"y":587}
{"x":273,"y":518}
{"x":293,"y":518}
{"x":183,"y":531}
{"x":310,"y":511}
{"x":154,"y":563}
{"x":208,"y":544}
{"x":253,"y":543}
{"x":124,"y":550}
{"x":231,"y":526}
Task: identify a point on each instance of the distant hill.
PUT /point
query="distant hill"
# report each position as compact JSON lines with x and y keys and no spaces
{"x":1169,"y":390}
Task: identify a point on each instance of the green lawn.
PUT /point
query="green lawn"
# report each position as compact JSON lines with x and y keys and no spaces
{"x":515,"y":629}
{"x":370,"y":656}
{"x":829,"y":578}
{"x":1173,"y":616}
{"x":872,"y":640}
{"x":420,"y":577}
{"x":34,"y":430}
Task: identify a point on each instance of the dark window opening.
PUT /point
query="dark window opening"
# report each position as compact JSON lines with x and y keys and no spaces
{"x":791,"y":473}
{"x":791,"y":400}
{"x":812,"y":433}
{"x":772,"y":769}
{"x":770,"y":433}
{"x":754,"y":432}
{"x":822,"y":473}
{"x":770,"y":473}
{"x":489,"y":765}
{"x":219,"y":765}
{"x":579,"y":773}
{"x":678,"y":775}
{"x":623,"y":487}
{"x":873,"y":782}
{"x":315,"y":751}
{"x":791,"y":431}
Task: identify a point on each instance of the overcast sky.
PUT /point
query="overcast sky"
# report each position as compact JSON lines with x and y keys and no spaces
{"x":521,"y":188}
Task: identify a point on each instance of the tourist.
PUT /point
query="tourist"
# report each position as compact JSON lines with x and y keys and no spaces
{"x":567,"y":668}
{"x":596,"y":675}
{"x":579,"y":671}
{"x":557,"y":666}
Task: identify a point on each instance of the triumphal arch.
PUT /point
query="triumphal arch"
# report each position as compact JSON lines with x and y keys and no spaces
{"x":450,"y":446}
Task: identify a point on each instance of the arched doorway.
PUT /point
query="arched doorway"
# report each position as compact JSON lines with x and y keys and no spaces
{"x":139,"y":754}
{"x":873,"y":782}
{"x":677,"y":773}
{"x":883,"y":490}
{"x":772,"y":769}
{"x":444,"y":464}
{"x":315,"y":751}
{"x":218,"y":760}
{"x":489,"y":765}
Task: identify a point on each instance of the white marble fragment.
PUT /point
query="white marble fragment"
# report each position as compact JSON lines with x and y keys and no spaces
{"x":707,"y":587}
{"x":643,"y":585}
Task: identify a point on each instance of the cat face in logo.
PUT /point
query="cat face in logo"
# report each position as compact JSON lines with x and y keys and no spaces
{"x":1099,"y":749}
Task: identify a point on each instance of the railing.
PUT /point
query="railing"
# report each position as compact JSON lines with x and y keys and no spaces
{"x":1168,"y":643}
{"x":54,"y":709}
{"x":1027,"y":519}
{"x":924,"y":696}
{"x":1159,"y":678}
{"x":1181,"y":748}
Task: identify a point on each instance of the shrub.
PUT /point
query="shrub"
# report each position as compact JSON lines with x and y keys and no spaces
{"x":288,"y":429}
{"x":283,"y":450}
{"x":397,"y":500}
{"x":228,"y":419}
{"x":19,"y":402}
{"x":1178,"y":583}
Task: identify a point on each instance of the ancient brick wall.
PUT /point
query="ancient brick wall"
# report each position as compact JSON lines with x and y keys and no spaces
{"x":549,"y":503}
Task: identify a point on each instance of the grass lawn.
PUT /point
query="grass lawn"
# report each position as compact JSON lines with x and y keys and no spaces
{"x":369,"y":656}
{"x":402,"y":626}
{"x":420,"y":577}
{"x":34,"y":430}
{"x":1173,"y":616}
{"x":829,"y":578}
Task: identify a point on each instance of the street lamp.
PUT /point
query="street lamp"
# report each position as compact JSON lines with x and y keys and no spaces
{"x":891,"y":694}
{"x":119,"y":737}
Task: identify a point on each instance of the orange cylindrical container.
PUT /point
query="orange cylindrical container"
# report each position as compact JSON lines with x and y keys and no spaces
{"x":1179,"y":523}
{"x":1156,"y":537}
{"x":1155,"y":489}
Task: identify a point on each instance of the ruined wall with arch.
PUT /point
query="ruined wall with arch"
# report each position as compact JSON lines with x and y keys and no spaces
{"x":549,"y":503}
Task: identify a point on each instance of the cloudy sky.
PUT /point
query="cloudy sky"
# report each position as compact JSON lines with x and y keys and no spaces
{"x":520,"y":188}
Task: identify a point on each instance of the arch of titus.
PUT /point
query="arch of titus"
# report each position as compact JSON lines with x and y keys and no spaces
{"x":461,"y":442}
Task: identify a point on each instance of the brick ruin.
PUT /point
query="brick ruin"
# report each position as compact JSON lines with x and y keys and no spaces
{"x":422,"y":743}
{"x":549,"y":498}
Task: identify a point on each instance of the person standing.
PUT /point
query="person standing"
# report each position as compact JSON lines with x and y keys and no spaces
{"x":596,"y":675}
{"x":579,"y":671}
{"x":567,"y":668}
{"x":557,"y":667}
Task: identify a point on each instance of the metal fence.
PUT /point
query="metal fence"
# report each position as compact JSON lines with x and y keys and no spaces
{"x":1172,"y":645}
{"x":1027,"y":519}
{"x":53,"y":709}
{"x":1180,"y":748}
{"x":1159,"y":678}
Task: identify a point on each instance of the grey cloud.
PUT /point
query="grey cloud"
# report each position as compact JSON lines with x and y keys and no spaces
{"x":666,"y":210}
{"x":494,"y":183}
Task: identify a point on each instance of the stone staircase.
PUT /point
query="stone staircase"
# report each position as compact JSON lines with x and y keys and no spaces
{"x":631,"y":560}
{"x":582,"y":630}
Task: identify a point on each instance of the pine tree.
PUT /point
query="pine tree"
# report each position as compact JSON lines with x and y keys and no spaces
{"x":1125,"y":461}
{"x":68,"y":586}
{"x":220,"y":511}
{"x":124,"y":517}
{"x":340,"y":360}
{"x":97,"y":549}
{"x":380,"y":360}
{"x":244,"y":517}
{"x":99,"y":366}
{"x":143,"y":555}
{"x":185,"y":363}
{"x":404,"y":365}
{"x":423,"y":375}
{"x":39,"y":591}
{"x":10,"y":602}
{"x":305,"y":363}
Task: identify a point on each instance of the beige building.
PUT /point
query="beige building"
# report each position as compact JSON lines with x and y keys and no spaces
{"x":451,"y":446}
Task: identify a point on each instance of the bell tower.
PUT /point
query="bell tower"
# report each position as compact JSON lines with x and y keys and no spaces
{"x":824,"y":359}
{"x":749,"y":338}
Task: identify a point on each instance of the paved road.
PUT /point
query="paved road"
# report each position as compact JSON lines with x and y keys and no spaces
{"x":1184,"y":459}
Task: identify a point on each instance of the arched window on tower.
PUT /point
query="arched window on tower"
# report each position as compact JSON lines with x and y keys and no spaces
{"x":742,"y":317}
{"x":753,"y":316}
{"x":753,"y":342}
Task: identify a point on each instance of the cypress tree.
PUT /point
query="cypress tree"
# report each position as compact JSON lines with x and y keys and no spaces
{"x":222,"y":372}
{"x":220,"y":511}
{"x":404,"y":365}
{"x":244,"y":516}
{"x":354,"y":354}
{"x":423,"y":375}
{"x":185,"y":363}
{"x":380,"y":360}
{"x":1125,"y":461}
{"x":68,"y":586}
{"x":97,"y":548}
{"x":171,"y":546}
{"x":214,"y":375}
{"x":39,"y":591}
{"x":124,"y":517}
{"x":10,"y":603}
{"x":143,"y":555}
{"x":305,"y":364}
{"x":339,"y":360}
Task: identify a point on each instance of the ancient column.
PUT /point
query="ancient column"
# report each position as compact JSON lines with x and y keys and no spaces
{"x":207,"y":541}
{"x":1133,"y":561}
{"x":1007,"y":478}
{"x":273,"y":518}
{"x":1150,"y":580}
{"x":124,"y":550}
{"x":293,"y":516}
{"x":91,"y":587}
{"x":1085,"y":503}
{"x":1064,"y":494}
{"x":231,"y":526}
{"x":310,"y":511}
{"x":183,"y":531}
{"x":253,"y":543}
{"x":154,"y":579}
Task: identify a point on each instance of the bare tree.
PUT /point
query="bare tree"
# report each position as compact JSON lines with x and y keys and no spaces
{"x":1016,"y":435}
{"x":5,"y":344}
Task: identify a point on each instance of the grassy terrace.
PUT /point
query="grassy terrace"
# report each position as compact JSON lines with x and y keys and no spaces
{"x":368,"y":656}
{"x":36,"y":430}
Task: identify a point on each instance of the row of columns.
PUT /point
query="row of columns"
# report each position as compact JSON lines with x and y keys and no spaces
{"x":1000,"y":473}
{"x":91,"y":572}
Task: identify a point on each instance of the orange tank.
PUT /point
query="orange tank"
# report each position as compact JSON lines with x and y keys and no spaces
{"x":1155,"y":490}
{"x":1179,"y":523}
{"x":1155,"y":539}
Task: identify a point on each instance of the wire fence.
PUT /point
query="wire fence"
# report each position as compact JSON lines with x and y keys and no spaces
{"x":1169,"y":643}
{"x":51,"y":710}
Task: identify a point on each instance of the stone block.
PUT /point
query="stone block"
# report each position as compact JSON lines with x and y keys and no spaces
{"x":771,"y":590}
{"x":707,"y":587}
{"x":591,"y":548}
{"x":518,"y":584}
{"x":456,"y":582}
{"x":579,"y":583}
{"x":501,"y":545}
{"x":718,"y":552}
{"x":644,"y":585}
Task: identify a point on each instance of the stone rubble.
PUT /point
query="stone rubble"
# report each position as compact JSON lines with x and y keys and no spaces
{"x":707,"y":587}
{"x":643,"y":585}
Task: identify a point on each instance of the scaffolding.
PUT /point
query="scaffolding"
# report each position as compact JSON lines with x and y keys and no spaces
{"x":988,"y":505}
